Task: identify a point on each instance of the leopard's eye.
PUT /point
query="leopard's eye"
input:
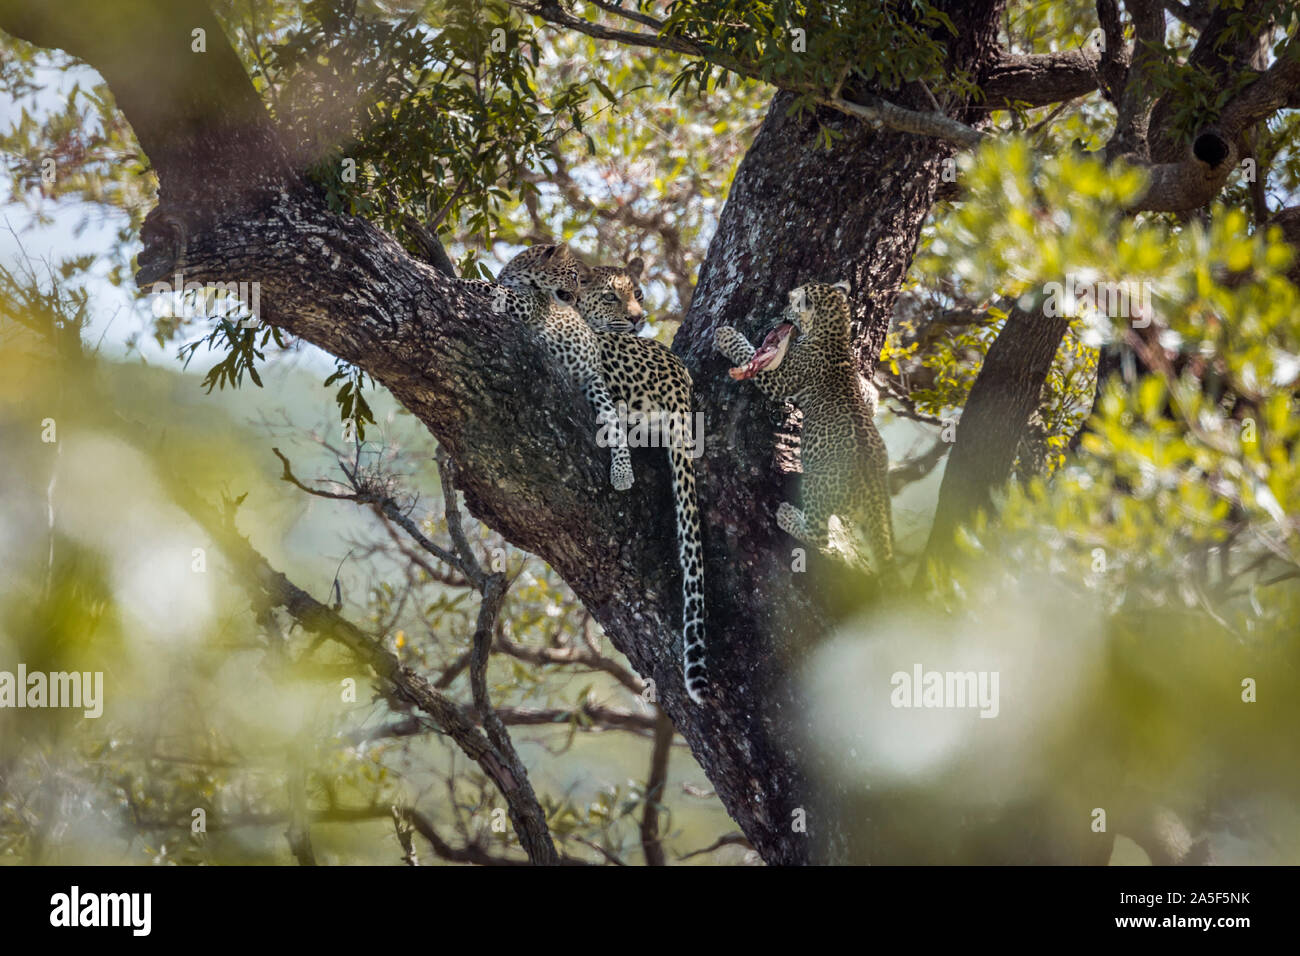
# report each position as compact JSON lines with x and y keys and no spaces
{"x":564,"y":295}
{"x":610,"y":297}
{"x":639,"y":295}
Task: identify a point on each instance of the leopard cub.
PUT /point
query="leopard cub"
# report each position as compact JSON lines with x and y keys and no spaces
{"x":807,"y":359}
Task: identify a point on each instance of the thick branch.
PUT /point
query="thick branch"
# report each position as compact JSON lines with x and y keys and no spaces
{"x":1004,"y":395}
{"x":1040,"y":79}
{"x":1223,"y":49}
{"x":189,"y":110}
{"x":1187,"y":177}
{"x":1215,"y":152}
{"x":1135,"y":101}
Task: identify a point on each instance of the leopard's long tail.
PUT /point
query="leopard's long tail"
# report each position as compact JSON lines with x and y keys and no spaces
{"x":691,"y":556}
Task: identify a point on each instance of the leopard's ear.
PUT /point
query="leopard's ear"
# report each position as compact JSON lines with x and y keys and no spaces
{"x":843,"y":285}
{"x":584,"y":271}
{"x":562,"y":252}
{"x":634,"y":267}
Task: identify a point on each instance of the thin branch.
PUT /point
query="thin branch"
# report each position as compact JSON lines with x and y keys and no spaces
{"x":611,"y":857}
{"x":402,"y":828}
{"x":275,"y":589}
{"x":636,"y":17}
{"x":728,"y":839}
{"x":299,"y":831}
{"x":385,"y":505}
{"x":878,"y":111}
{"x":656,"y":781}
{"x":468,"y":561}
{"x":581,"y":656}
{"x":590,"y":714}
{"x":914,"y":469}
{"x":472,"y":853}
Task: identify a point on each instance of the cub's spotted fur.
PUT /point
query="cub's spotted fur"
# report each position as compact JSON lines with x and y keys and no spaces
{"x":807,"y":360}
{"x":649,"y":379}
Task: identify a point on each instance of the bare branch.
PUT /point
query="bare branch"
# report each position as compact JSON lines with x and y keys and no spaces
{"x":656,"y":780}
{"x":402,"y":828}
{"x":387,"y":507}
{"x":598,"y":716}
{"x":914,"y":469}
{"x":473,"y":853}
{"x":728,"y":839}
{"x":581,"y":656}
{"x":611,"y":857}
{"x":277,"y":590}
{"x":299,"y":832}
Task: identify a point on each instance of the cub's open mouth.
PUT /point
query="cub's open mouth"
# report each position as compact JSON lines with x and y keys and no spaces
{"x":769,"y":354}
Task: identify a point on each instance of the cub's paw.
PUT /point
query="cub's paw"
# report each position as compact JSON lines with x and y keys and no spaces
{"x":731,"y":344}
{"x":790,"y":520}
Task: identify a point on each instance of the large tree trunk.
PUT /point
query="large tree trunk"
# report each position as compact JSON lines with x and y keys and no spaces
{"x":796,"y":213}
{"x":528,"y":462}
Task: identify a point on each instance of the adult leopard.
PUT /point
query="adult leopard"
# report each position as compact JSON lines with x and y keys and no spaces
{"x":538,"y":288}
{"x":652,"y":385}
